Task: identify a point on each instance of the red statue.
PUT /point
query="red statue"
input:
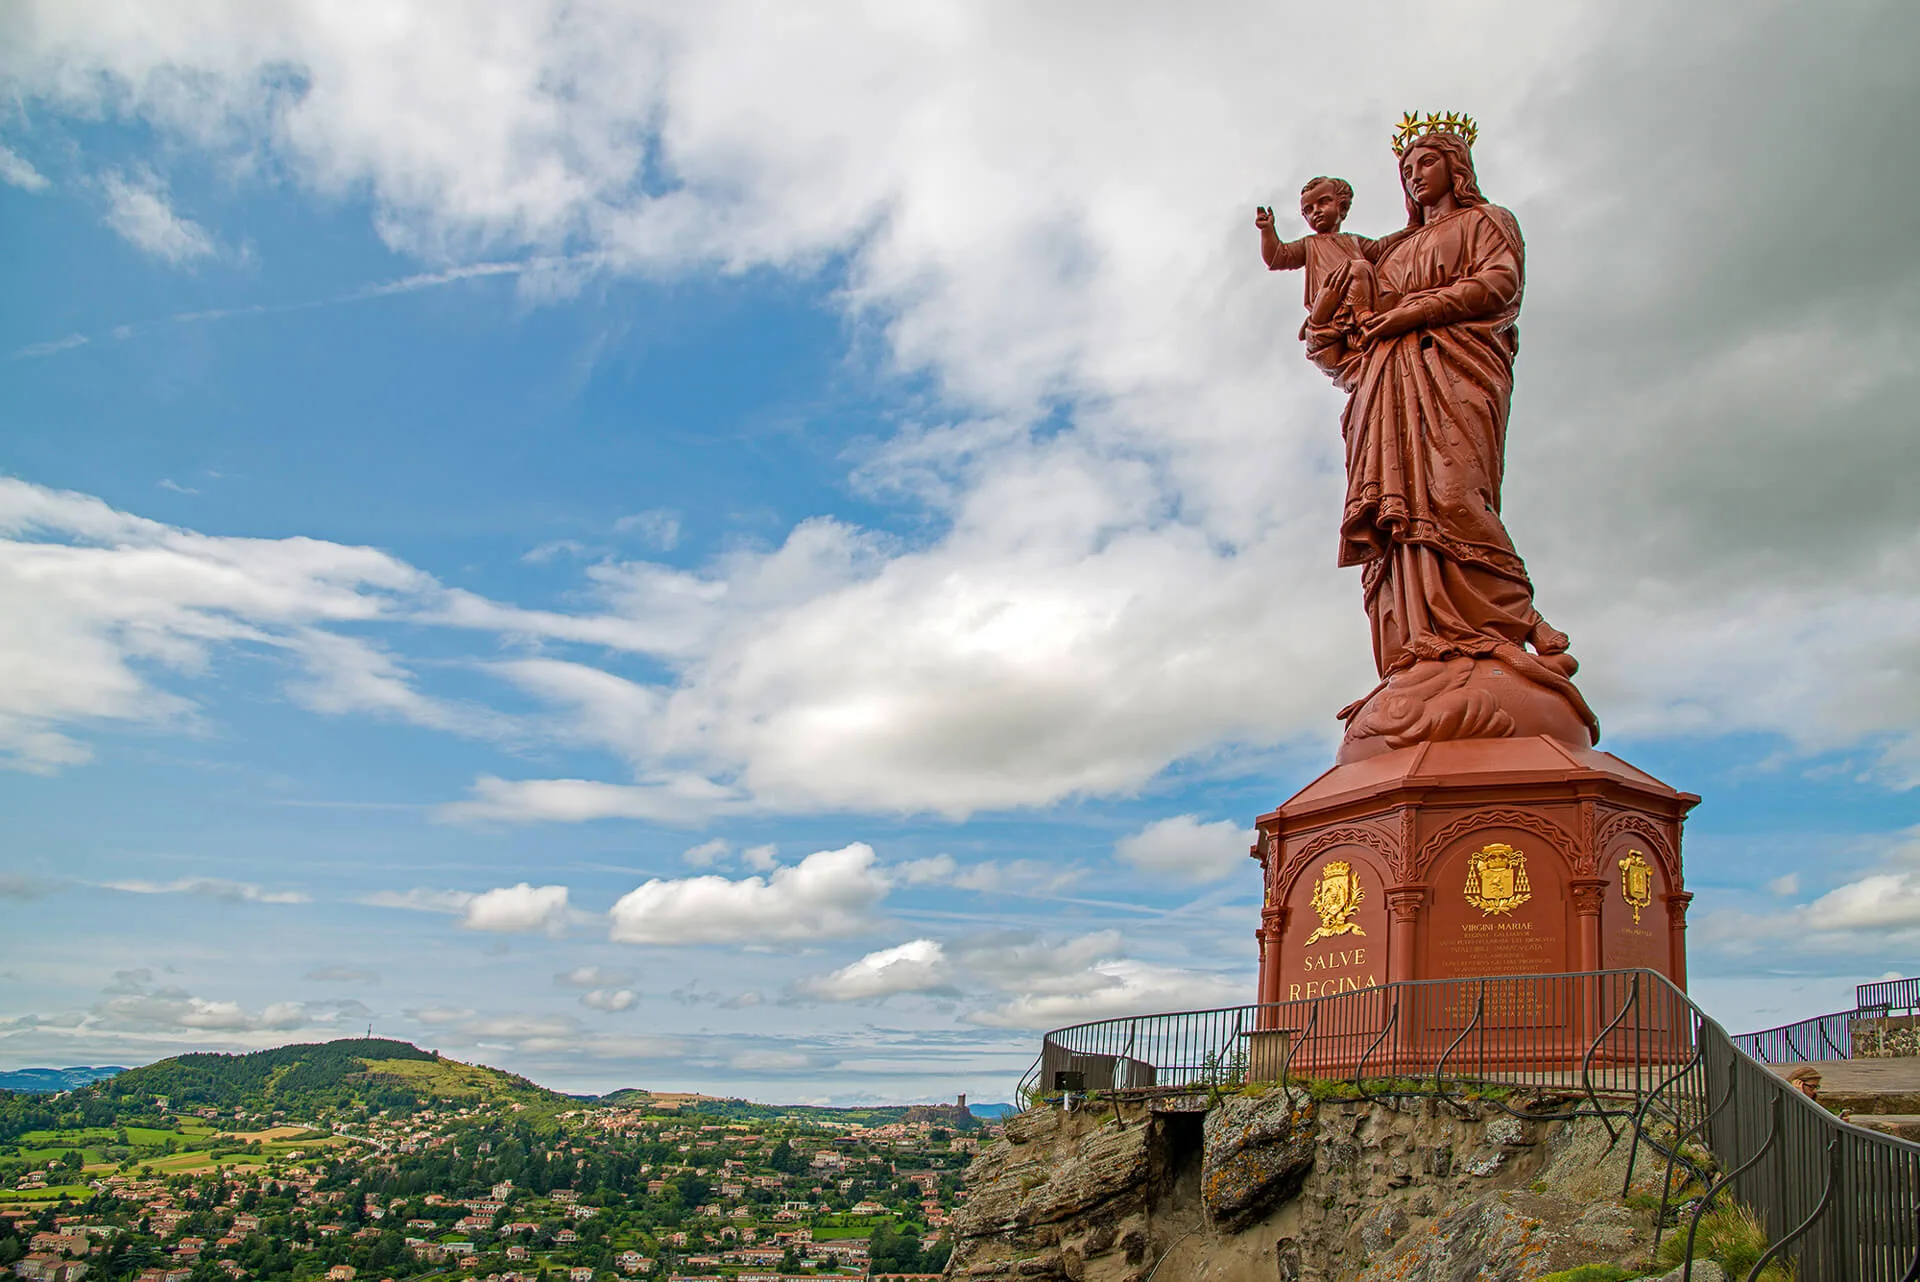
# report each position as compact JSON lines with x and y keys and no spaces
{"x":1419,"y":328}
{"x":1469,"y":827}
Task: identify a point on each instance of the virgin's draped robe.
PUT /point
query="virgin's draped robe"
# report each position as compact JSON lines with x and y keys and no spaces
{"x":1425,"y":430}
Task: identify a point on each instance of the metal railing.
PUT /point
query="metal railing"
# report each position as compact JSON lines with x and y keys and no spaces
{"x":1888,"y":994}
{"x":1871,"y":1030}
{"x":1842,"y":1202}
{"x":1627,"y":1047}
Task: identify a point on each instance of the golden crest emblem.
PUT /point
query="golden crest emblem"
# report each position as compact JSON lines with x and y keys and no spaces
{"x":1336,"y":896}
{"x":1636,"y":882}
{"x":1497,"y":879}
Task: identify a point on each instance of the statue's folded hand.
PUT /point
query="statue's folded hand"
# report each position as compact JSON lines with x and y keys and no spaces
{"x":1392,"y":324}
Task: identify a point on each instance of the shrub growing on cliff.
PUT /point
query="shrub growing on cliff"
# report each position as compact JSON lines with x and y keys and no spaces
{"x":1732,"y":1236}
{"x":1590,"y":1273}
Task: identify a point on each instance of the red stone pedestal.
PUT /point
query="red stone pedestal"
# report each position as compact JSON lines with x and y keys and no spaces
{"x":1471,"y":857}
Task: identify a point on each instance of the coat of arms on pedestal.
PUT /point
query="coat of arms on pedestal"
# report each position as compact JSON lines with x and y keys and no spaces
{"x":1497,"y":879}
{"x":1636,"y":882}
{"x":1336,"y":895}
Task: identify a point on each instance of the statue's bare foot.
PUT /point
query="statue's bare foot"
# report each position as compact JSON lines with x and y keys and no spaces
{"x":1547,"y":639}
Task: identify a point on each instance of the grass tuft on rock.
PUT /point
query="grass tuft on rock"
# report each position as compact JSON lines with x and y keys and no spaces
{"x":1591,"y":1273}
{"x":1730,"y":1235}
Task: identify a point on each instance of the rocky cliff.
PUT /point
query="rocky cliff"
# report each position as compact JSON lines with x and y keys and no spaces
{"x":1281,"y":1186}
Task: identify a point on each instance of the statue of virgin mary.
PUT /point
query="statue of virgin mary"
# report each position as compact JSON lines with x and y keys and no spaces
{"x":1459,"y":647}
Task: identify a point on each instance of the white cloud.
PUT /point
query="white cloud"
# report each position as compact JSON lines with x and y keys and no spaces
{"x":26,"y":886}
{"x":138,"y":209}
{"x":761,"y":858}
{"x":917,"y":966}
{"x":420,"y":899}
{"x":548,"y":551}
{"x":610,"y":999}
{"x":1026,"y":963}
{"x":1787,"y":884}
{"x":438,"y":1016}
{"x":174,"y":1008}
{"x":349,"y":675}
{"x":1016,"y":876}
{"x":1184,"y":847}
{"x":51,"y":346}
{"x":1044,"y":984}
{"x":683,"y":799}
{"x":517,"y":1027}
{"x":1037,"y":216}
{"x":829,"y":893}
{"x":1113,"y":989}
{"x":773,"y":1060}
{"x":1882,"y":901}
{"x":707,"y":853}
{"x":518,"y":909}
{"x":16,"y":171}
{"x":343,"y":975}
{"x":658,"y":528}
{"x":930,"y":871}
{"x":593,"y":977}
{"x":130,"y":1004}
{"x":95,"y":601}
{"x":212,"y":888}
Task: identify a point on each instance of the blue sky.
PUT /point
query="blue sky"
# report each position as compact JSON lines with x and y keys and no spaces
{"x":782,"y":554}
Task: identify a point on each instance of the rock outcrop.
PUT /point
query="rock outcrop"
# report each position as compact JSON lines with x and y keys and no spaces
{"x":1256,"y":1152}
{"x":1280,"y":1187}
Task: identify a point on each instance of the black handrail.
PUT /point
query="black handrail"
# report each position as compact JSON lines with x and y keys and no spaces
{"x":1820,"y":1209}
{"x":1586,"y":1060}
{"x":1679,"y":1146}
{"x":1479,"y":1010}
{"x":1713,"y":1190}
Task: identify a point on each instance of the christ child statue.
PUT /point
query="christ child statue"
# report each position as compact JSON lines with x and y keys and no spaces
{"x":1342,"y":291}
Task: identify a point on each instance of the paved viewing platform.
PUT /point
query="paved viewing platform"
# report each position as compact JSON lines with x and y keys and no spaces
{"x":1880,"y":1094}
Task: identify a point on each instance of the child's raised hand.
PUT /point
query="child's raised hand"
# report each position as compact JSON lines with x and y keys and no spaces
{"x":1263,"y":218}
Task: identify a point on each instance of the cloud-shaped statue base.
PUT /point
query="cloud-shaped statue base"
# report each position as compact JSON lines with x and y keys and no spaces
{"x":1509,"y":694}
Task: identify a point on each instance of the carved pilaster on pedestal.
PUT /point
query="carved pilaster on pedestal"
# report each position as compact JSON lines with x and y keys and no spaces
{"x":1273,"y":929}
{"x":1677,"y":934}
{"x":1589,"y":895}
{"x":1405,"y":904}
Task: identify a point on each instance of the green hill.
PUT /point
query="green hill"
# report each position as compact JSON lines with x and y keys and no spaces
{"x":308,"y":1078}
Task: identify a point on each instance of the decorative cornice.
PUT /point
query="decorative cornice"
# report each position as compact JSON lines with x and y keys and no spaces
{"x":1552,"y":833}
{"x":1641,"y":825}
{"x":1371,"y":838}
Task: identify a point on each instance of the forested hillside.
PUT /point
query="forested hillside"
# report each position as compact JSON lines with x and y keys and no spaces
{"x":310,"y":1078}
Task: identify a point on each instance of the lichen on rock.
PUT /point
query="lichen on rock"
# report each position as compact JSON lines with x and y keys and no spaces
{"x":1257,"y":1152}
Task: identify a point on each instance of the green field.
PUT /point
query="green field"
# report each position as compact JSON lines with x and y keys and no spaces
{"x":51,"y":1193}
{"x":832,"y":1228}
{"x":199,"y":1146}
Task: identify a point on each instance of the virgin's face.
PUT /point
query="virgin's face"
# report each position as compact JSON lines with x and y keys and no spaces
{"x":1426,"y":175}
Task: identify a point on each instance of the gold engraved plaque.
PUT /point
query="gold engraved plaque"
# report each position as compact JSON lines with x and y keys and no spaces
{"x":1636,"y":882}
{"x":1336,"y":897}
{"x":1497,"y":879}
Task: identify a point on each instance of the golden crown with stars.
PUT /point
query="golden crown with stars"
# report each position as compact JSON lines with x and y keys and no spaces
{"x":1412,"y":128}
